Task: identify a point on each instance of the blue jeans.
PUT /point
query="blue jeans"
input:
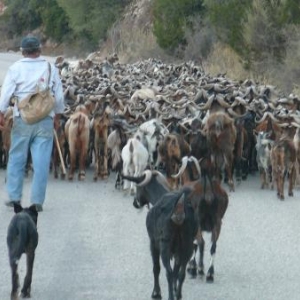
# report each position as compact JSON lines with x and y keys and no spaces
{"x":38,"y":138}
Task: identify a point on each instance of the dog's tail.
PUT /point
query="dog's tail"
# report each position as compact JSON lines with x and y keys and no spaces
{"x":16,"y":241}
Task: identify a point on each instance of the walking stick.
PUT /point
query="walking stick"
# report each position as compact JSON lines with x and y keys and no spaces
{"x":59,"y":152}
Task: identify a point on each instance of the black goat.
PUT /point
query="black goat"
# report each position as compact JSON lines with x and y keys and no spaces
{"x":208,"y":195}
{"x":172,"y":226}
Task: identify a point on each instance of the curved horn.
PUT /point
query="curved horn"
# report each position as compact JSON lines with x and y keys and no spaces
{"x":239,"y":100}
{"x":183,"y":126}
{"x":182,"y":168}
{"x":235,"y":114}
{"x":222,"y":102}
{"x":147,"y":174}
{"x":162,"y":179}
{"x":283,"y":124}
{"x":207,"y":105}
{"x":295,"y":124}
{"x":267,"y":113}
{"x":137,"y":180}
{"x":196,"y":162}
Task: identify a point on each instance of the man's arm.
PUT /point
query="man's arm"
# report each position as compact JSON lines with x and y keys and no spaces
{"x":57,"y":89}
{"x":7,"y":90}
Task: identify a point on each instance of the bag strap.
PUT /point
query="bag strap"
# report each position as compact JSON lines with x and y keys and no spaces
{"x":49,"y":68}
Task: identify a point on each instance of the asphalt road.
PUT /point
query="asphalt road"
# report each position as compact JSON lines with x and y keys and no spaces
{"x":94,"y":245}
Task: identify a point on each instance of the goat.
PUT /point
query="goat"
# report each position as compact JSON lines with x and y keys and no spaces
{"x":171,"y":226}
{"x":221,"y":137}
{"x":63,"y":144}
{"x":171,"y":151}
{"x":77,"y":131}
{"x":100,"y":124}
{"x":6,"y":134}
{"x":296,"y":141}
{"x":135,"y":159}
{"x":283,"y":157}
{"x":212,"y":202}
{"x":150,"y":133}
{"x":116,"y":140}
{"x":263,"y":150}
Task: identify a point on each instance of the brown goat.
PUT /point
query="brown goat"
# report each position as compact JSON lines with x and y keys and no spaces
{"x":6,"y":132}
{"x":100,"y":125}
{"x":62,"y":141}
{"x":221,"y":137}
{"x":283,"y":158}
{"x":212,"y":202}
{"x":269,"y":124}
{"x":171,"y":151}
{"x":77,"y":131}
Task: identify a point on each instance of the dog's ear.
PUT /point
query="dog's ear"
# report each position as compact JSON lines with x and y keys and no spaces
{"x":32,"y":208}
{"x":17,"y":208}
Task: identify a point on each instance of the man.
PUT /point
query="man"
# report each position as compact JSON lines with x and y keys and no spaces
{"x":20,"y":81}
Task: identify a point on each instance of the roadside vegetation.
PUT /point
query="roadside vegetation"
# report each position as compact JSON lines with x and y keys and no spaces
{"x":258,"y":39}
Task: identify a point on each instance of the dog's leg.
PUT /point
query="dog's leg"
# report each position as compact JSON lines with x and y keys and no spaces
{"x":15,"y":280}
{"x":25,"y":292}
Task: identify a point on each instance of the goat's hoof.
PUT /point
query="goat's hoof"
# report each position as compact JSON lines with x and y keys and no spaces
{"x":156,"y":295}
{"x":70,"y":177}
{"x":201,"y":272}
{"x":192,"y":272}
{"x":95,"y":178}
{"x":63,"y":176}
{"x":81,"y":177}
{"x":210,"y":278}
{"x":291,"y":194}
{"x":25,"y":294}
{"x":14,"y":296}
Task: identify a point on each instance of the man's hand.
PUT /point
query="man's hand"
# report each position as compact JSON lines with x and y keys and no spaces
{"x":2,"y":120}
{"x":56,"y":121}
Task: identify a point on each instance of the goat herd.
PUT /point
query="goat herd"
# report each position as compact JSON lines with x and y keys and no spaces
{"x":173,"y":134}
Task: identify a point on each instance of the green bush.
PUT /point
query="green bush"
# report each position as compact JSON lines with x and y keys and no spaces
{"x":171,"y":18}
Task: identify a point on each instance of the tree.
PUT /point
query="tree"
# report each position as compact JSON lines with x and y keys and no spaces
{"x":19,"y":17}
{"x":171,"y":17}
{"x":227,"y":16}
{"x":264,"y":31}
{"x":53,"y":18}
{"x":91,"y":19}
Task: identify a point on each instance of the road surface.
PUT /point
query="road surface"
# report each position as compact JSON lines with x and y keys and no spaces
{"x":94,"y":245}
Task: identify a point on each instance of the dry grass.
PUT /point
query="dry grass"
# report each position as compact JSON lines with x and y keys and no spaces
{"x":223,"y":60}
{"x":132,"y":45}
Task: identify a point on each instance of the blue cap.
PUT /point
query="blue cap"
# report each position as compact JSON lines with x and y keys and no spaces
{"x":30,"y":43}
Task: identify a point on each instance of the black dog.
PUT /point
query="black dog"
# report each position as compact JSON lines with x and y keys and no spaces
{"x":22,"y":237}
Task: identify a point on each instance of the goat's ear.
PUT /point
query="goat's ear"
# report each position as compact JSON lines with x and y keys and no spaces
{"x":178,"y":214}
{"x":17,"y":208}
{"x":32,"y":208}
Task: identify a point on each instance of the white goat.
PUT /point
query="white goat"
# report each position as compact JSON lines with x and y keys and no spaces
{"x":150,"y":133}
{"x":135,"y":160}
{"x":263,"y":157}
{"x":296,"y":141}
